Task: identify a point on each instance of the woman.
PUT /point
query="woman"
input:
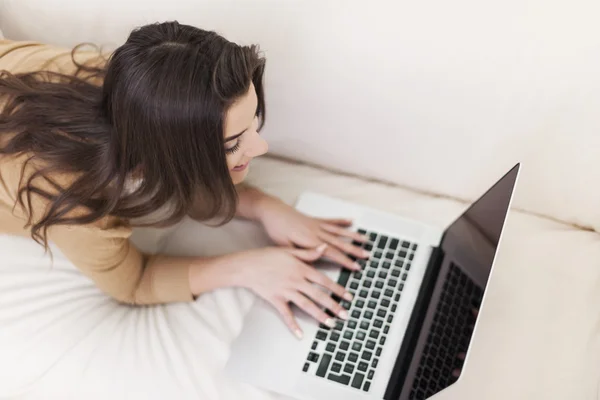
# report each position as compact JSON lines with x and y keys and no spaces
{"x":166,"y":127}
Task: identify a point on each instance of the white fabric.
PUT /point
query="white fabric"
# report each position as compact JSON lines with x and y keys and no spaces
{"x":436,"y":95}
{"x":62,"y":339}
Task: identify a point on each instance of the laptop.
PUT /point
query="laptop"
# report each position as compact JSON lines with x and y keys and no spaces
{"x":414,"y":311}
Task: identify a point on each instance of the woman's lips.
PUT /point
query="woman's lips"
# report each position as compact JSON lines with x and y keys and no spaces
{"x":241,"y":167}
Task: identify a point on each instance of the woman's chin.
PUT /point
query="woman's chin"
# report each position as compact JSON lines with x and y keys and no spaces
{"x":239,"y":176}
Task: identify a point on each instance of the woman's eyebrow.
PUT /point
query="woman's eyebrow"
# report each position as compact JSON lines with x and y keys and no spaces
{"x":230,"y":138}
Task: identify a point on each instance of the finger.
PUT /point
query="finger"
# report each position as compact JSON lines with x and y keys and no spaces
{"x":288,"y":317}
{"x":322,"y":280}
{"x":324,"y":299}
{"x":311,"y":309}
{"x":338,"y":257}
{"x":336,"y":230}
{"x":344,"y":246}
{"x":308,"y":254}
{"x":337,"y":221}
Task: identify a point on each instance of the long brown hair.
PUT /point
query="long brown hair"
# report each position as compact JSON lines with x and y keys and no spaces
{"x":158,"y":115}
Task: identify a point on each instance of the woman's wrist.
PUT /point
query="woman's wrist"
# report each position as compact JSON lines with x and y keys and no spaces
{"x":253,"y":203}
{"x":207,"y":274}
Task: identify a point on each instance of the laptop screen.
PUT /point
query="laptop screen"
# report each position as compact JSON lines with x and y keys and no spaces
{"x":472,"y":239}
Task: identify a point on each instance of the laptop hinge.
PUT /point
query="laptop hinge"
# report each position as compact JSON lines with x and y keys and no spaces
{"x":405,"y":355}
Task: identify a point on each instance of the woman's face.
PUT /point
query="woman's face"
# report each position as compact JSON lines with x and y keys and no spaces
{"x":242,"y":141}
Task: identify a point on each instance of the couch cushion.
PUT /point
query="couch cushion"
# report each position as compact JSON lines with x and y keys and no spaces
{"x":61,"y":338}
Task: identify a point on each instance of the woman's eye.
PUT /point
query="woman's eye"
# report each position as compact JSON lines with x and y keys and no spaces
{"x":233,"y":149}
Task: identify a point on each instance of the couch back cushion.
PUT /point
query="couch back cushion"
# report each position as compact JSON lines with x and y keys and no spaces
{"x":439,"y":96}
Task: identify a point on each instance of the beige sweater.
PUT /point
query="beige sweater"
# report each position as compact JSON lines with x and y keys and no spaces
{"x":101,"y":250}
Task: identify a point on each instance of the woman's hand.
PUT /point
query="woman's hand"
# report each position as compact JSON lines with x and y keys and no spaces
{"x":282,"y":276}
{"x":288,"y":227}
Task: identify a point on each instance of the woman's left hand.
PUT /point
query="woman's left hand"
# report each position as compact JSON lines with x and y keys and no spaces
{"x":288,"y":227}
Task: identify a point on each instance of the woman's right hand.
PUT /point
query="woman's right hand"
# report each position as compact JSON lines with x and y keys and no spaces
{"x":281,"y":276}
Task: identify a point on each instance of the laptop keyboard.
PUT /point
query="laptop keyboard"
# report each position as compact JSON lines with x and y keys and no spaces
{"x":349,"y":353}
{"x":449,"y":335}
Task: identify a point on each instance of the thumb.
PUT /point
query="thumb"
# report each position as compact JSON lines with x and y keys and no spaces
{"x":309,"y":254}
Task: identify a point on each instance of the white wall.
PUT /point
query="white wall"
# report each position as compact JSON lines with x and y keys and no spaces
{"x":439,"y":95}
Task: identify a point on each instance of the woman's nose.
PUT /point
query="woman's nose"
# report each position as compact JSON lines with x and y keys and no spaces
{"x":257,"y":146}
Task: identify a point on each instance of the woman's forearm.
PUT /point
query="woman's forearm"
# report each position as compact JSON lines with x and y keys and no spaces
{"x":251,"y":202}
{"x":210,"y":273}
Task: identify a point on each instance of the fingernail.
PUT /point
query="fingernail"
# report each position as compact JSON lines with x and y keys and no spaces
{"x":322,"y":248}
{"x":343,"y":314}
{"x":348,"y":296}
{"x":365,"y":238}
{"x":330,"y":322}
{"x":366,"y":253}
{"x":298,"y":333}
{"x":358,"y":266}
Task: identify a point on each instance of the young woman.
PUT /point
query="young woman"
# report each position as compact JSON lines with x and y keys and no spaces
{"x":165,"y":127}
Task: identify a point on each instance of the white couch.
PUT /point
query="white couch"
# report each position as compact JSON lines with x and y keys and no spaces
{"x":412,"y":108}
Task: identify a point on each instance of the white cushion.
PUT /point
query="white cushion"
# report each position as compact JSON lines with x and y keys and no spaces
{"x":61,"y":338}
{"x":440,"y":96}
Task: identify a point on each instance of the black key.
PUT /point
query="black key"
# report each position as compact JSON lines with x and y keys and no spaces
{"x":378,"y":323}
{"x":393,"y":246}
{"x":349,"y":368}
{"x":411,"y":256}
{"x":356,"y":346}
{"x":367,"y":386}
{"x":348,"y":335}
{"x":340,"y":355}
{"x":325,"y":360}
{"x":370,"y":273}
{"x":314,"y":357}
{"x":392,"y":282}
{"x":414,"y":246}
{"x":378,"y":352}
{"x":314,"y":345}
{"x":389,"y":292}
{"x":385,"y":302}
{"x":373,"y":264}
{"x":353,"y":357}
{"x":336,"y":367}
{"x":356,"y":314}
{"x":382,"y":340}
{"x":305,"y":368}
{"x":396,"y":272}
{"x":321,"y":335}
{"x":343,"y":379}
{"x":360,"y":335}
{"x":354,"y":285}
{"x":372,"y":236}
{"x":390,"y":318}
{"x":366,"y":355}
{"x":405,"y":244}
{"x":389,"y":256}
{"x":363,"y":293}
{"x":404,"y":276}
{"x":368,"y":315}
{"x":402,"y":253}
{"x":383,"y":274}
{"x":330,"y":347}
{"x":382,"y":241}
{"x":379,"y":284}
{"x":377,"y":254}
{"x":398,"y":263}
{"x":374,"y":363}
{"x":397,"y":298}
{"x":372,"y":304}
{"x":374,"y":334}
{"x":346,"y":304}
{"x":375,"y":294}
{"x":393,"y":308}
{"x":344,"y":276}
{"x":381,"y":313}
{"x":370,"y":375}
{"x":364,"y":325}
{"x":387,"y":265}
{"x":401,"y":286}
{"x":386,"y":329}
{"x":407,"y":267}
{"x":344,"y":345}
{"x":339,"y":325}
{"x":362,"y":232}
{"x":370,"y":344}
{"x":368,"y":247}
{"x":358,"y":274}
{"x":358,"y":380}
{"x":362,"y":366}
{"x":367,"y":283}
{"x":335,"y":336}
{"x":351,"y":324}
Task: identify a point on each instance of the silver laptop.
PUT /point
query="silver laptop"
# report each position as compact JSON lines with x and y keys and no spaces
{"x":413,"y":315}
